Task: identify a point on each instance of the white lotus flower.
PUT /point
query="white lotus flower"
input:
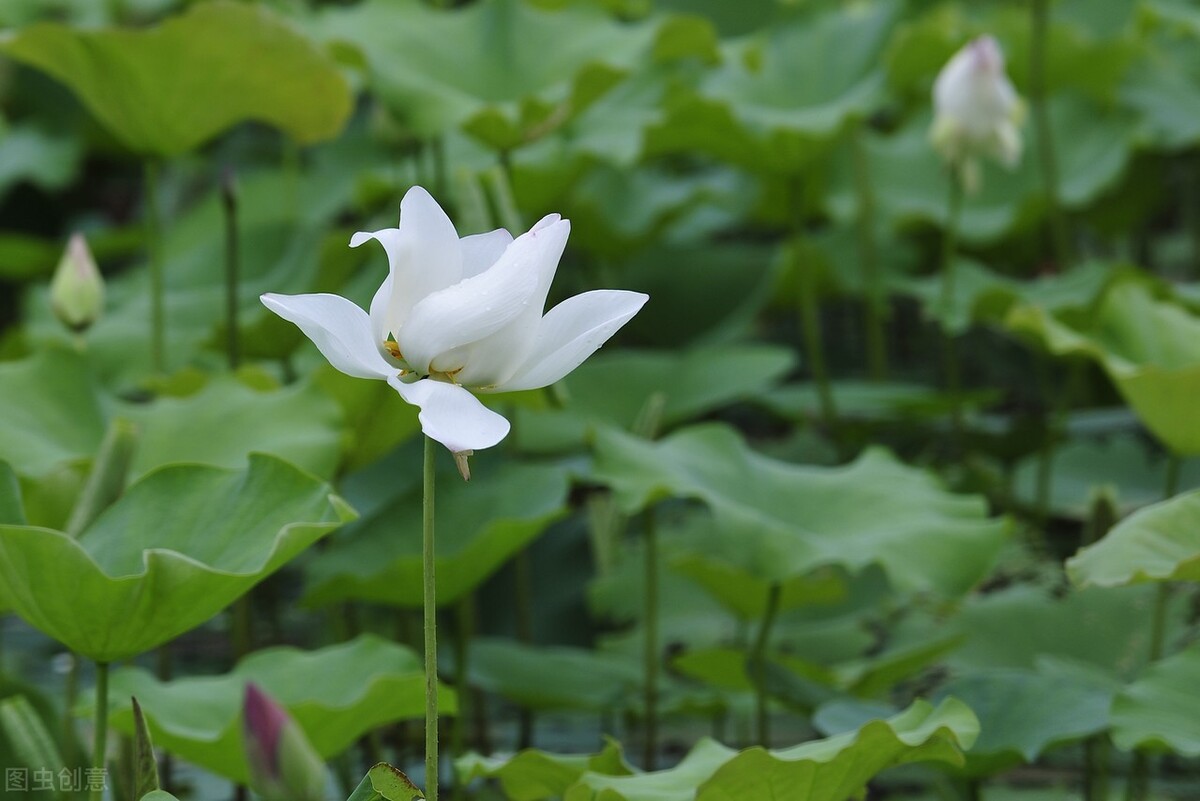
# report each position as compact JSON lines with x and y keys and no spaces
{"x":976,"y":110}
{"x":456,"y":316}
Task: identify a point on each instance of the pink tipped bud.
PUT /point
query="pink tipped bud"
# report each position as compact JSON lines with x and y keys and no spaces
{"x":77,"y":289}
{"x":283,"y":764}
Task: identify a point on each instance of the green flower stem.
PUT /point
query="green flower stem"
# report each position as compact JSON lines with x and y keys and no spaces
{"x":229,"y":204}
{"x":758,"y":661}
{"x":71,"y":696}
{"x":1045,"y":142}
{"x":464,"y":628}
{"x":651,"y":646}
{"x":869,"y":257}
{"x":100,"y":734}
{"x":158,"y":347}
{"x":950,"y":365}
{"x":814,"y":349}
{"x":523,"y":591}
{"x":1139,"y":773}
{"x":430,"y":609}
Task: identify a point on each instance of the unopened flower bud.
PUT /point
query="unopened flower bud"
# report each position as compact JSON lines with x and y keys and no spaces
{"x":976,"y":110}
{"x":77,"y":289}
{"x":283,"y":764}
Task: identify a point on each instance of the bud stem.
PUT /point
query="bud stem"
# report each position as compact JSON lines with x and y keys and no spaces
{"x":154,"y":251}
{"x":100,"y":733}
{"x":430,"y":603}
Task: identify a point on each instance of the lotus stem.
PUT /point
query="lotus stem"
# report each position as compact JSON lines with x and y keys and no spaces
{"x":229,"y":204}
{"x":523,"y":591}
{"x":154,"y":250}
{"x":465,"y":625}
{"x":869,"y":257}
{"x":814,"y":349}
{"x":950,"y":366}
{"x":430,"y":613}
{"x":651,"y":647}
{"x":100,"y":733}
{"x":1139,"y":772}
{"x":1095,"y":779}
{"x":758,"y":661}
{"x":1045,"y":141}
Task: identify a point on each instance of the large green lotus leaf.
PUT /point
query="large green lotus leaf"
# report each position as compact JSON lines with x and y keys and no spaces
{"x":167,"y":89}
{"x":1018,"y":626}
{"x":52,"y":411}
{"x":1160,"y":710}
{"x":554,"y":677}
{"x":1120,"y":466}
{"x":832,"y":769}
{"x":480,"y":525}
{"x":502,"y":70}
{"x":48,"y":161}
{"x":982,"y":296}
{"x":788,"y":519}
{"x":378,"y":420}
{"x":912,"y":185}
{"x":1024,"y":713}
{"x":227,"y":419}
{"x":1158,"y":543}
{"x":176,"y":549}
{"x":54,"y":416}
{"x":533,"y":775}
{"x":780,"y":97}
{"x":1149,"y":347}
{"x":336,"y":695}
{"x":615,"y":387}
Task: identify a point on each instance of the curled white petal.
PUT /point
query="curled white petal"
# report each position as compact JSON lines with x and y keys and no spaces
{"x":512,"y":290}
{"x":481,"y":251}
{"x":452,"y":415}
{"x":339,"y":329}
{"x":424,"y":256}
{"x":572,"y":331}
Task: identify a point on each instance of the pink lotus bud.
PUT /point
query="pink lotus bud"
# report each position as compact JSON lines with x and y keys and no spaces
{"x":283,"y":764}
{"x":77,"y":289}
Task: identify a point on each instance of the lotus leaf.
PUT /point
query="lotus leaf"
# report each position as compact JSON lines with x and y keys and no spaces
{"x":335,"y":694}
{"x":164,"y":90}
{"x":777,"y":520}
{"x":832,"y":769}
{"x":180,"y":545}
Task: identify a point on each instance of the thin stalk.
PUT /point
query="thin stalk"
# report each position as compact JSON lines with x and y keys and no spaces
{"x":810,"y":324}
{"x":523,"y":577}
{"x":229,"y":204}
{"x":869,"y":258}
{"x":100,"y":733}
{"x":71,"y":691}
{"x":430,"y":604}
{"x":758,"y":660}
{"x":465,"y":620}
{"x":1139,"y":773}
{"x":950,"y":364}
{"x":651,"y":647}
{"x":1095,"y":778}
{"x":158,"y":347}
{"x":165,"y":669}
{"x":1045,"y":141}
